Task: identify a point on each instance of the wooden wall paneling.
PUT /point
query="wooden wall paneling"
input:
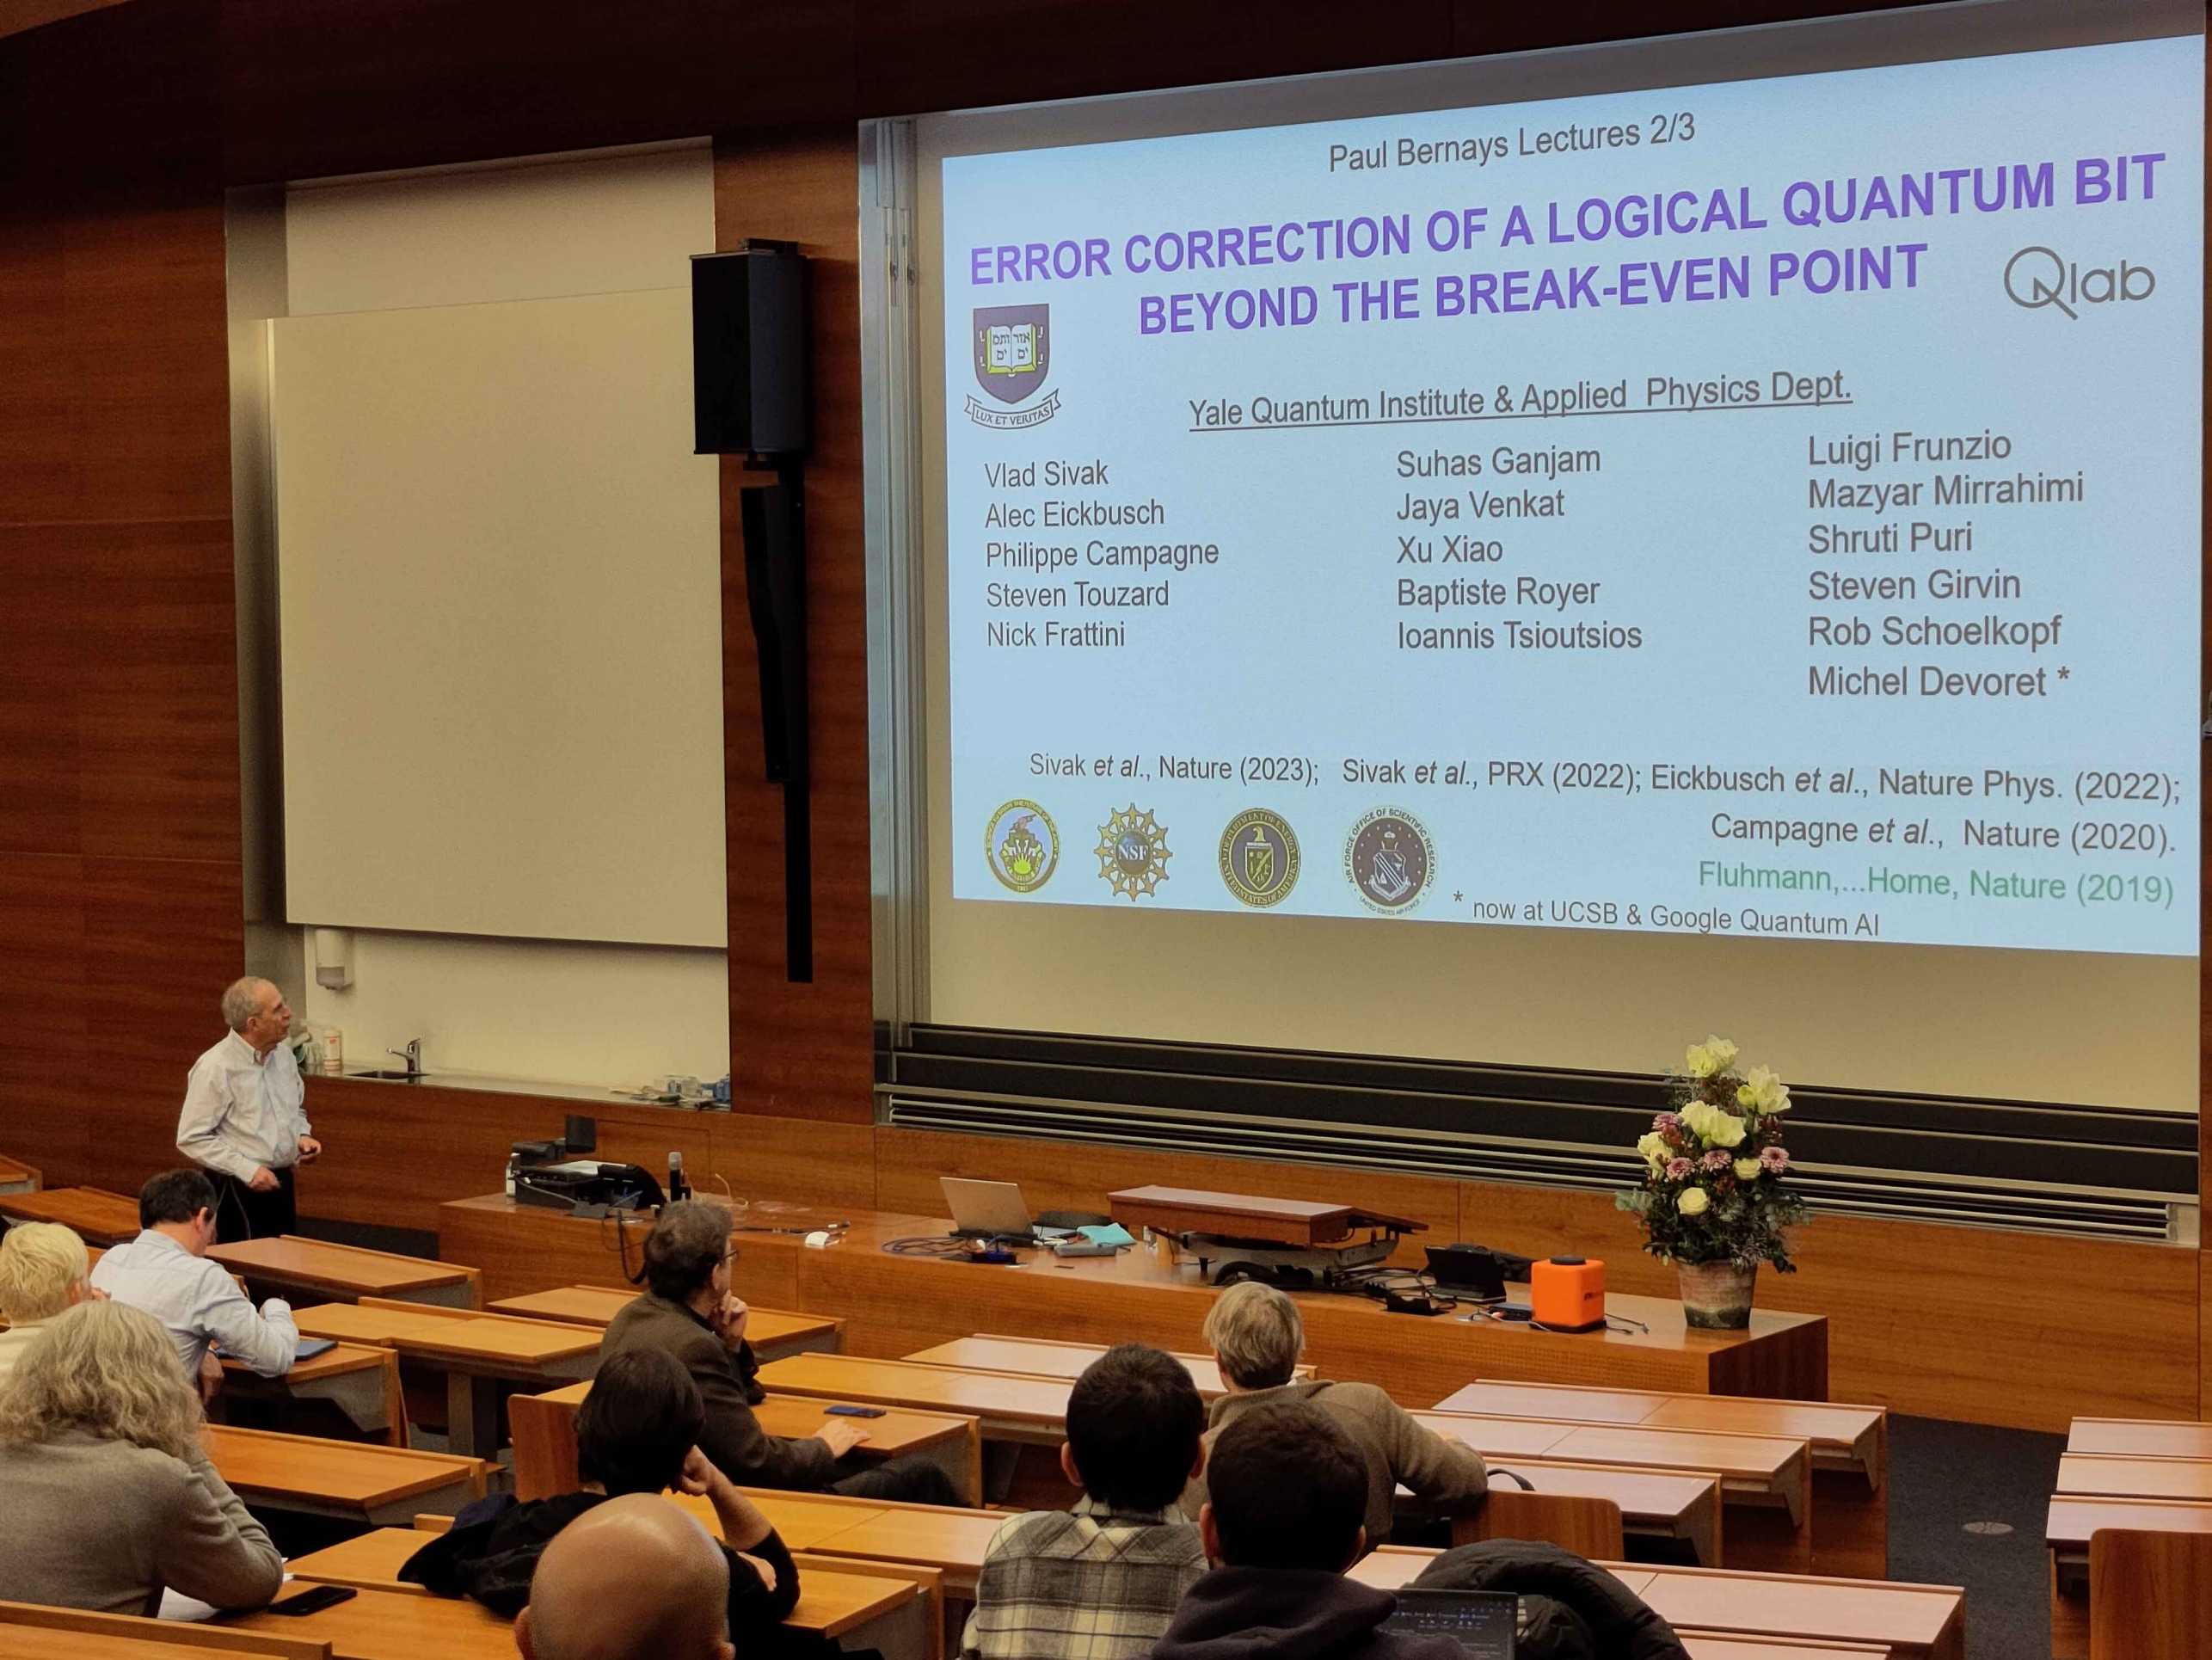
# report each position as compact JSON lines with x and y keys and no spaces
{"x":803,"y":1050}
{"x":381,"y":83}
{"x":1480,"y":25}
{"x":35,"y":472}
{"x":157,"y":693}
{"x":804,"y":1161}
{"x":950,"y":54}
{"x":40,"y":779}
{"x":2204,"y":1337}
{"x":1071,"y":1176}
{"x":161,"y":939}
{"x":47,"y":1021}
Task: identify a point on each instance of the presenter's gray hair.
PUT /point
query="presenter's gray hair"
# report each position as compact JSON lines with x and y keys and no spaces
{"x":1256,"y":1332}
{"x":242,"y":1001}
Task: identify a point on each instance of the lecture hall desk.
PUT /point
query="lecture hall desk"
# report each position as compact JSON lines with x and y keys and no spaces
{"x":773,"y":1332}
{"x":867,"y":1610}
{"x":99,"y":1218}
{"x":315,"y":1270}
{"x":474,"y":1352}
{"x":948,"y":1440}
{"x":15,"y":1177}
{"x":344,"y":1480}
{"x":2072,"y":1518}
{"x":895,"y":1304}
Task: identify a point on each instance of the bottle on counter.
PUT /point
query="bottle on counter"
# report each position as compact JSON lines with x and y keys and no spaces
{"x":333,"y":1051}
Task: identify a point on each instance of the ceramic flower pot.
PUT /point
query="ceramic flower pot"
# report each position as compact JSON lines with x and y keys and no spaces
{"x":1716,"y":1296}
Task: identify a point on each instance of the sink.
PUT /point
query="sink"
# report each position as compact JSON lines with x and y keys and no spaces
{"x":388,"y":1077}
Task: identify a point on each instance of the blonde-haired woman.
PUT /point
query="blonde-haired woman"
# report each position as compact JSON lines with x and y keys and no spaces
{"x":110,"y":1497}
{"x":43,"y":1270}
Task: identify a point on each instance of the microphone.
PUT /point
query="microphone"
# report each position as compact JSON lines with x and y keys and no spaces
{"x":677,"y":1188}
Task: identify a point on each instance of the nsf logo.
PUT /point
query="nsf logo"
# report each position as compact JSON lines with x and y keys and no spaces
{"x":2041,"y":279}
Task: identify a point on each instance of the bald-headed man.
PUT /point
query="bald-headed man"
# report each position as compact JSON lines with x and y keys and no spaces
{"x":245,"y":1116}
{"x":634,"y":1578}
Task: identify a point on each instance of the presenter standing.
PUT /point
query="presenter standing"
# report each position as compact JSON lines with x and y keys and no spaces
{"x":245,"y":1116}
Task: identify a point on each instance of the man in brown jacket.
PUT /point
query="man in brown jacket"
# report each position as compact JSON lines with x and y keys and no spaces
{"x":687,"y":1310}
{"x":1257,"y":1337}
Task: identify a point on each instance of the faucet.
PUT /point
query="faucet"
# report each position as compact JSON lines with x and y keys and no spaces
{"x":412,"y":1055}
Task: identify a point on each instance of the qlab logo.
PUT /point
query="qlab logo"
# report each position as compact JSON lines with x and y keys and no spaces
{"x":2039,"y":278}
{"x":1011,"y":345}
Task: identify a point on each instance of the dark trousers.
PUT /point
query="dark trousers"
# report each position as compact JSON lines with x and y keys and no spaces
{"x":242,"y":1214}
{"x":905,"y":1480}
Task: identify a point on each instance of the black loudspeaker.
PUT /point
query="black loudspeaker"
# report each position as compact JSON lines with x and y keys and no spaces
{"x":749,"y":352}
{"x":582,"y":1135}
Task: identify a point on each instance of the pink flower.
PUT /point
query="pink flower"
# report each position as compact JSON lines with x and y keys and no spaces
{"x":1775,"y":1158}
{"x":1666,"y":1121}
{"x":1678,"y":1170}
{"x":1716,"y":1159}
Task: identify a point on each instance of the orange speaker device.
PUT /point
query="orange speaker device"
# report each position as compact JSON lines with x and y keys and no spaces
{"x":1567,"y":1294}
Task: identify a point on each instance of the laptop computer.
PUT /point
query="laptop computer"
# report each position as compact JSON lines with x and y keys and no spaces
{"x":987,"y":1209}
{"x":1484,"y":1624}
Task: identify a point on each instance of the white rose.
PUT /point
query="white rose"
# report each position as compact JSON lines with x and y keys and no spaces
{"x":1766,"y":1090}
{"x":1692,"y":1201}
{"x":1715,"y":1125}
{"x":1722,"y":1051}
{"x":1747,"y":1169}
{"x":1654,"y":1148}
{"x":1700,"y":1061}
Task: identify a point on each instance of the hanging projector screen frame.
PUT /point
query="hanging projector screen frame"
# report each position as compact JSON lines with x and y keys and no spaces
{"x":1931,"y":1039}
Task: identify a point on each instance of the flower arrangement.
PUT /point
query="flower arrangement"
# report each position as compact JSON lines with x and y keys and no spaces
{"x":1714,"y":1167}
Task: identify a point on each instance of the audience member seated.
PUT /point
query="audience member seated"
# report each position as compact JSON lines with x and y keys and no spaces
{"x":109,"y":1495}
{"x":1101,"y":1582}
{"x":688,"y":1311}
{"x":636,"y":1432}
{"x":42,"y":1272}
{"x":1257,"y":1337}
{"x":166,"y":1272}
{"x":1287,"y":1488}
{"x":636,"y":1579}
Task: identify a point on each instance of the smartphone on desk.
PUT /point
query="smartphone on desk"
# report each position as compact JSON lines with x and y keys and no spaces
{"x":854,"y":1412}
{"x":313,"y":1600}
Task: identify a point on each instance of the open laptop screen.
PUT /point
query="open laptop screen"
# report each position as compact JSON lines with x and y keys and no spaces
{"x":1481,"y":1622}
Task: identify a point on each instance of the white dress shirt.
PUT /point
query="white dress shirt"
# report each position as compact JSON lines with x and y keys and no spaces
{"x":243,"y":1110}
{"x":199,"y":1303}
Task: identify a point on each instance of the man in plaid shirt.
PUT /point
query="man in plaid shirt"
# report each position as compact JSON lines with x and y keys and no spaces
{"x":1102,"y":1581}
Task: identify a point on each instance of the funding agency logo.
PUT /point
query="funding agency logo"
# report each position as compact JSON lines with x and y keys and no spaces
{"x":1259,"y":858}
{"x":1133,"y":852}
{"x":1021,"y":845}
{"x":1389,"y":858}
{"x":1012,"y":349}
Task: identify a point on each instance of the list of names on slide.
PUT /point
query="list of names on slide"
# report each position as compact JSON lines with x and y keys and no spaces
{"x":1768,"y":508}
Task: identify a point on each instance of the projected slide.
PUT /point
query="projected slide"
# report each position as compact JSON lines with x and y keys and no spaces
{"x":1767,"y":509}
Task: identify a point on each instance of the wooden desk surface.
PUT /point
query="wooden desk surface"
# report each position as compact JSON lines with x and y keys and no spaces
{"x":895,"y":1305}
{"x":598,"y":1304}
{"x":331,"y":1363}
{"x":40,"y":1643}
{"x":15,"y":1173}
{"x":390,"y":1625}
{"x":949,"y":1540}
{"x":457,"y":1334}
{"x":99,"y":1217}
{"x":1042,"y":1358}
{"x":342,"y":1473}
{"x":2115,"y":1477}
{"x":338,"y":1269}
{"x":1041,"y":1403}
{"x":1753,"y":1458}
{"x":1711,"y":1645}
{"x":1917,"y":1619}
{"x":1856,"y":1432}
{"x":831,"y":1603}
{"x":2074,"y":1516}
{"x":2141,"y":1437}
{"x":897,"y":1432}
